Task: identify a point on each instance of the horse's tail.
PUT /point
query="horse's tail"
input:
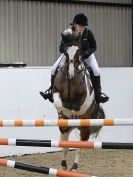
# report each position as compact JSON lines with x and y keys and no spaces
{"x":96,"y":129}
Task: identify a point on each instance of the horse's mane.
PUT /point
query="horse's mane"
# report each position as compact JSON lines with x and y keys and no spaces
{"x":71,"y":38}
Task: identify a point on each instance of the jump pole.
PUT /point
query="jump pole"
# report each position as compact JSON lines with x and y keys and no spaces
{"x":43,"y":170}
{"x":65,"y":144}
{"x":65,"y":122}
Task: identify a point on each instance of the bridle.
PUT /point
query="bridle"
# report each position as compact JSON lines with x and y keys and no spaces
{"x":76,"y":61}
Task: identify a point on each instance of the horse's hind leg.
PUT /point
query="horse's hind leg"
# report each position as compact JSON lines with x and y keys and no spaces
{"x":76,"y":161}
{"x":64,"y":137}
{"x":84,"y":136}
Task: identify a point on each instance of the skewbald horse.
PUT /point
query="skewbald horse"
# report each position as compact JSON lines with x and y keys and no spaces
{"x":73,"y":95}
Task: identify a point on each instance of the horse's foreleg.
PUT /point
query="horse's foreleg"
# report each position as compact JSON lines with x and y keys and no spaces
{"x":57,"y":101}
{"x":64,"y":137}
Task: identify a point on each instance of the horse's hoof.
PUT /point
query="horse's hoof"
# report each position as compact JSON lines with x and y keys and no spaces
{"x":63,"y":165}
{"x":74,"y":167}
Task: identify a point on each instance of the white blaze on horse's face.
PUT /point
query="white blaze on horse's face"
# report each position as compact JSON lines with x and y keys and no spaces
{"x":71,"y":52}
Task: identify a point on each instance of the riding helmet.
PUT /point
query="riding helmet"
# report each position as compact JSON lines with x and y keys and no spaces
{"x":80,"y":19}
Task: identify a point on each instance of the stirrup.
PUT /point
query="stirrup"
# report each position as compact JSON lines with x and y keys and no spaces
{"x":47,"y":95}
{"x":104,"y":98}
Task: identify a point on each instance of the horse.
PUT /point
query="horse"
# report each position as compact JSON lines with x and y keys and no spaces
{"x":73,"y":95}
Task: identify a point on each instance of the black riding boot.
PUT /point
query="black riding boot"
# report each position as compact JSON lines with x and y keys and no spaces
{"x":99,"y":96}
{"x":48,"y":93}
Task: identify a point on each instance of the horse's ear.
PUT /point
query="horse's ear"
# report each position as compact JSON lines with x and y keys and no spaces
{"x":63,"y":36}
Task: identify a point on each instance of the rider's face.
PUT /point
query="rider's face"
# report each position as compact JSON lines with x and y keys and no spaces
{"x":79,"y":28}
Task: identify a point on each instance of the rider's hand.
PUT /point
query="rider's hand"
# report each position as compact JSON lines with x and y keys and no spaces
{"x":84,"y":54}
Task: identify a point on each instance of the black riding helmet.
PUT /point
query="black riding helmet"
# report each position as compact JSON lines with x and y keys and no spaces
{"x":80,"y":19}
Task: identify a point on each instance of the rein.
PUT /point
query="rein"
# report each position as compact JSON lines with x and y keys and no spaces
{"x":69,"y":96}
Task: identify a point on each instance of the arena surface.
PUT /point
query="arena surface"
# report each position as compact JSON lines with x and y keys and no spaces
{"x":101,"y":163}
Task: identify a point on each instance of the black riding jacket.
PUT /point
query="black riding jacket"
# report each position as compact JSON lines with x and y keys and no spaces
{"x":88,"y":44}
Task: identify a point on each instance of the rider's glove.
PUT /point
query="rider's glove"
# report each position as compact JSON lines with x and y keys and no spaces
{"x":84,"y":54}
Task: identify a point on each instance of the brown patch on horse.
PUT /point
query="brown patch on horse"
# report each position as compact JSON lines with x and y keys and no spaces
{"x":92,"y":113}
{"x":84,"y":133}
{"x":97,"y":114}
{"x":63,"y":129}
{"x":72,"y":97}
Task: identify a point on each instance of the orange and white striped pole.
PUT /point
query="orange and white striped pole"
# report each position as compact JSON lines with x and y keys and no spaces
{"x":66,"y":122}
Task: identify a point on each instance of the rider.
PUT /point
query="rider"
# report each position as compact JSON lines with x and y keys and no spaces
{"x":88,"y":47}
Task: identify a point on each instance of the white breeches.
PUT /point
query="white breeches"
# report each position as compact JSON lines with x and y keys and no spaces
{"x":90,"y":61}
{"x":58,"y":63}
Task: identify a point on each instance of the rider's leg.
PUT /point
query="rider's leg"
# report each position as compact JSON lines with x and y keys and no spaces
{"x":99,"y":97}
{"x":48,"y":93}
